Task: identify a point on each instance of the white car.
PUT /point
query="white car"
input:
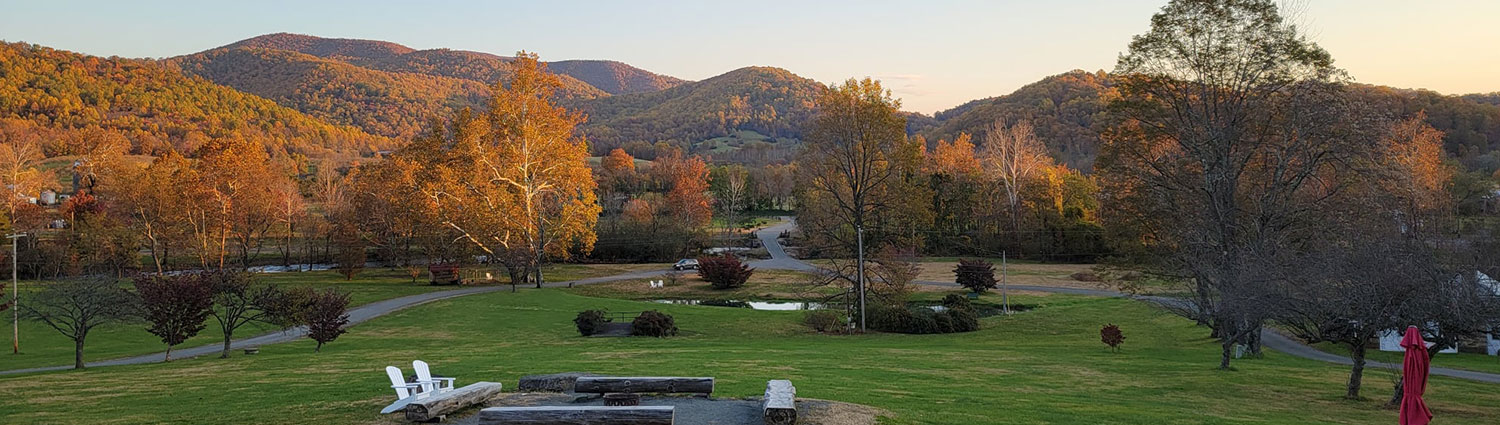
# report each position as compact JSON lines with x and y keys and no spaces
{"x":687,"y":264}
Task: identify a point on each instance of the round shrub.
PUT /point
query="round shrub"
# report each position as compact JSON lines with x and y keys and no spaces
{"x":653,"y":323}
{"x":923,"y":320}
{"x":724,"y":271}
{"x":825,"y":321}
{"x":590,"y":322}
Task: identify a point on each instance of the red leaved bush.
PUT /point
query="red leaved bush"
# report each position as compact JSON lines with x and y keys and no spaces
{"x":724,"y":271}
{"x":1111,"y":336}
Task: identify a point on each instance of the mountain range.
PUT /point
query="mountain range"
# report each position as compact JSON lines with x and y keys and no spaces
{"x":318,"y":96}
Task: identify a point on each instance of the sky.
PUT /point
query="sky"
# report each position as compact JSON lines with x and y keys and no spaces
{"x":933,"y":54}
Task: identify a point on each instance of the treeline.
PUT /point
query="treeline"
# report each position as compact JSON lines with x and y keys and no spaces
{"x":153,"y":108}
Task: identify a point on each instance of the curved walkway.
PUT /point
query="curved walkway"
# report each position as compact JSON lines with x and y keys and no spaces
{"x":779,"y":260}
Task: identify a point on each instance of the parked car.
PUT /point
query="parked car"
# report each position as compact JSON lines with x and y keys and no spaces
{"x":686,"y":264}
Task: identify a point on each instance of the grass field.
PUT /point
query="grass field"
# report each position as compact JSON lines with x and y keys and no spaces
{"x":43,"y":346}
{"x":1038,"y":367}
{"x":1467,"y":361}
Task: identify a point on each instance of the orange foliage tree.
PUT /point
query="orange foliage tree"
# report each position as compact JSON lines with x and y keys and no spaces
{"x":513,"y":181}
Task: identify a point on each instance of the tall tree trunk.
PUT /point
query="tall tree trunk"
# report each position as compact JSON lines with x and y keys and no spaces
{"x":1228,"y":352}
{"x":169,"y":354}
{"x":78,"y":352}
{"x":1356,"y":373}
{"x":228,"y":334}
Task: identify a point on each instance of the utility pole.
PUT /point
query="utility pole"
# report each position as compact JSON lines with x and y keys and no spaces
{"x":859,"y":230}
{"x":15,"y":300}
{"x":1004,"y":271}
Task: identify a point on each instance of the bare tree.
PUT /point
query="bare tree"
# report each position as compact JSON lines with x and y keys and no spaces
{"x":238,"y":300}
{"x":1011,"y":155}
{"x":1225,"y":129}
{"x":75,"y":307}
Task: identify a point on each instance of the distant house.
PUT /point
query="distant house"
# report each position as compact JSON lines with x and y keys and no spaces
{"x":48,"y":198}
{"x":1390,"y":340}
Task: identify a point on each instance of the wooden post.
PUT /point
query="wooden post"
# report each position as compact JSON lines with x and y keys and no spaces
{"x":577,"y":415}
{"x":434,"y":406}
{"x":643,"y":384}
{"x":780,"y":403}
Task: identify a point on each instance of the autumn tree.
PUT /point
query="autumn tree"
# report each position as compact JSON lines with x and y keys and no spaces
{"x":156,"y":200}
{"x":617,"y":180}
{"x":514,"y":179}
{"x":74,"y":307}
{"x":857,"y":169}
{"x":1225,"y":120}
{"x":20,"y":178}
{"x":954,"y":177}
{"x":688,"y":201}
{"x":176,"y":306}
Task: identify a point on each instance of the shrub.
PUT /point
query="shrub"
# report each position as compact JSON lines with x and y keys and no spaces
{"x":590,"y":322}
{"x":963,"y":319}
{"x":923,"y":321}
{"x":653,"y":323}
{"x":826,"y":321}
{"x":724,"y":271}
{"x":977,"y":275}
{"x":1111,"y":336}
{"x":957,"y":302}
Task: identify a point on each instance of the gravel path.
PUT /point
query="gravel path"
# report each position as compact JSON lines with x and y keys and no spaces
{"x":779,"y":260}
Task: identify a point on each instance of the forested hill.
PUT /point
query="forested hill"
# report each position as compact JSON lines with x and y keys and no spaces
{"x":1067,"y":110}
{"x":770,"y":101}
{"x":393,"y":104}
{"x":613,"y":77}
{"x":581,"y":78}
{"x":77,"y":100}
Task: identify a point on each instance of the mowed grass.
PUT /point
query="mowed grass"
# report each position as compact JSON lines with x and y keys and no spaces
{"x":1467,"y":361}
{"x":1044,"y":366}
{"x":764,"y":284}
{"x":43,"y":346}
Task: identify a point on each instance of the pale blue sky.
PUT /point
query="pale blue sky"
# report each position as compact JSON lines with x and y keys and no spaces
{"x":934,"y":54}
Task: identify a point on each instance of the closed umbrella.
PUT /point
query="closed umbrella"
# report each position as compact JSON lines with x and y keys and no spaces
{"x":1414,"y":379}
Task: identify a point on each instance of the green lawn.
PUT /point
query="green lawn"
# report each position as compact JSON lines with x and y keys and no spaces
{"x":43,"y":346}
{"x":1038,"y":367}
{"x":1467,"y":361}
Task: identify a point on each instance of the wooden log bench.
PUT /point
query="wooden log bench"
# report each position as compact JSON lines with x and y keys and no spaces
{"x":577,"y":415}
{"x":434,"y":406}
{"x":643,"y":384}
{"x":780,"y":403}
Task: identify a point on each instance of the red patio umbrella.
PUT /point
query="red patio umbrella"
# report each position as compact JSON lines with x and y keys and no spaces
{"x":1414,"y":379}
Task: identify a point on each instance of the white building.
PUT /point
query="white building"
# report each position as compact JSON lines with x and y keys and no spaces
{"x":1391,"y":340}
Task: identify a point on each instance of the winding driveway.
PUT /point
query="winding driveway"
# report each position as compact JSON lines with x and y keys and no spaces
{"x":779,"y":260}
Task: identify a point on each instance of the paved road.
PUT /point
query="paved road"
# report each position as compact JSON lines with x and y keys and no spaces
{"x":779,"y":260}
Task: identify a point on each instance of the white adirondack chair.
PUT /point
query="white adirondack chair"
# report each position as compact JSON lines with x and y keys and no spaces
{"x":405,"y":391}
{"x":430,"y":384}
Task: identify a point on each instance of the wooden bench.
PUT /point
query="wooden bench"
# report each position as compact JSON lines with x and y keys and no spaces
{"x":577,"y":415}
{"x":780,"y":403}
{"x":433,"y":406}
{"x":643,"y":384}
